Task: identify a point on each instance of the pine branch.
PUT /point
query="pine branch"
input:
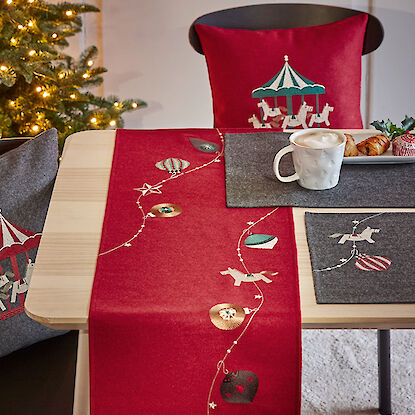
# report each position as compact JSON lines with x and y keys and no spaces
{"x":43,"y":87}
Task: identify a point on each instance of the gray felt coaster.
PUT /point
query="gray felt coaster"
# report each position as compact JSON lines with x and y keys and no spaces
{"x":250,"y":180}
{"x":362,"y":258}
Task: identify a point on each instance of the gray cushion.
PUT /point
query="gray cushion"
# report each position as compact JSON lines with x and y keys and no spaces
{"x":27,"y":175}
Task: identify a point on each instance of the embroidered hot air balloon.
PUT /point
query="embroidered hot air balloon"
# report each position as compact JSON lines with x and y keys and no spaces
{"x":172,"y":165}
{"x":372,"y":263}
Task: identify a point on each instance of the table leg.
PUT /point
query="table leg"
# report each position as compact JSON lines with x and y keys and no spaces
{"x":81,"y":396}
{"x":384,"y":372}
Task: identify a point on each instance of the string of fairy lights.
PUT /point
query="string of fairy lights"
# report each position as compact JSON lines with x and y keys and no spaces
{"x":31,"y":45}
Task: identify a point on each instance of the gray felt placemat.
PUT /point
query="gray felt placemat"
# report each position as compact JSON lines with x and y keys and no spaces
{"x":375,"y":265}
{"x":250,"y":180}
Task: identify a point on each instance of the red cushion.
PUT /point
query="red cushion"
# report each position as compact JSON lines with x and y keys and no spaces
{"x":326,"y":57}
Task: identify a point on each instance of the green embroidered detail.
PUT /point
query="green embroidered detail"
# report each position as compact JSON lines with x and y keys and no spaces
{"x":166,"y":209}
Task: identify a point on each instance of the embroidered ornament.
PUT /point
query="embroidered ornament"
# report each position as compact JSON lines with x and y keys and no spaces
{"x":227,"y":316}
{"x":372,"y":263}
{"x":166,"y":210}
{"x":204,"y":146}
{"x":260,"y":241}
{"x":148,"y":189}
{"x":173,"y":165}
{"x":239,"y":387}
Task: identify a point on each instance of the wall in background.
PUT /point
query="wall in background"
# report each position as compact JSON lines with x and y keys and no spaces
{"x":144,"y":45}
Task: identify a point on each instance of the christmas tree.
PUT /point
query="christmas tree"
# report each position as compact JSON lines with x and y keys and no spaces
{"x":40,"y":86}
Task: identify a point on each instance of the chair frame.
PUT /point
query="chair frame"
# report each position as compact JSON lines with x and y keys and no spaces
{"x":284,"y":16}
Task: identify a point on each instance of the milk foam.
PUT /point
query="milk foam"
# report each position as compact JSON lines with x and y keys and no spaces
{"x":318,"y":139}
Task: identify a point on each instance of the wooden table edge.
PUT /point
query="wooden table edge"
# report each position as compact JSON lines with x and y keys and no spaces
{"x":310,"y":318}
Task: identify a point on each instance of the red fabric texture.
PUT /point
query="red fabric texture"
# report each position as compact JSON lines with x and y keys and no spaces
{"x":153,"y":347}
{"x":240,"y":61}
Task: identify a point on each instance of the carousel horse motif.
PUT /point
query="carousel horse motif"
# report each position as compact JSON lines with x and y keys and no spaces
{"x":366,"y":235}
{"x":240,"y":277}
{"x":267,"y":110}
{"x":257,"y":124}
{"x":299,"y":119}
{"x":323,"y":117}
{"x":19,"y":287}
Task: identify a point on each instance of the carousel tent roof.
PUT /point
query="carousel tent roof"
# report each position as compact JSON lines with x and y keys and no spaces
{"x":288,"y":82}
{"x":13,"y":236}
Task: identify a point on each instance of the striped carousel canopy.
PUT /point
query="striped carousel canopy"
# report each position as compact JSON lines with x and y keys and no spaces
{"x":288,"y":82}
{"x":11,"y":235}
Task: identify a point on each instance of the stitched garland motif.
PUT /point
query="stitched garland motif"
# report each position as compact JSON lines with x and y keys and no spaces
{"x":237,"y":386}
{"x":288,"y":83}
{"x":241,"y":386}
{"x":363,"y":261}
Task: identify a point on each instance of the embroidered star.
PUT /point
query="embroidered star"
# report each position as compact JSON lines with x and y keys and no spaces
{"x":355,"y":221}
{"x":217,"y":160}
{"x":343,"y":259}
{"x":148,"y":188}
{"x":127,"y":244}
{"x":212,"y":405}
{"x":250,"y":223}
{"x":258,"y":296}
{"x":239,"y":388}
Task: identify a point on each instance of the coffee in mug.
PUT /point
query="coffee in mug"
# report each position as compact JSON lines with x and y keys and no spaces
{"x":317,"y":157}
{"x":318,"y":139}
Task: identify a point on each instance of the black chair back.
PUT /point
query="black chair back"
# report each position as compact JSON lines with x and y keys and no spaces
{"x":285,"y":16}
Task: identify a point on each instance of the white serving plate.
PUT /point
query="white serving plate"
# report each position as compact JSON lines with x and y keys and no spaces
{"x":386,"y":158}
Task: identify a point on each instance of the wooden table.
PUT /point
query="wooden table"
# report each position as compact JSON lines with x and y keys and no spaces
{"x":62,"y":280}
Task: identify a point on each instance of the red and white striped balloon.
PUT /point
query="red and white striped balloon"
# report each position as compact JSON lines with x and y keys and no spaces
{"x":372,"y":263}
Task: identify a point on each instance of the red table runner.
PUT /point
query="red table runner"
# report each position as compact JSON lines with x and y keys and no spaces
{"x":195,"y":306}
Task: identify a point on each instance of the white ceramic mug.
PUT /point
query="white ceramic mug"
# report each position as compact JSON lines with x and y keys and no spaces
{"x":317,"y":156}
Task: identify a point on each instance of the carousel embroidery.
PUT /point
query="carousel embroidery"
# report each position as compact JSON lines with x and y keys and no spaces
{"x":14,"y":242}
{"x":288,"y":83}
{"x":363,"y":261}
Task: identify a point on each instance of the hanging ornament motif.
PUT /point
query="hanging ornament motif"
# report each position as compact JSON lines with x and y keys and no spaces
{"x":239,"y":387}
{"x":173,"y":165}
{"x":260,"y":241}
{"x":166,"y":210}
{"x":227,"y":316}
{"x":363,"y":262}
{"x":204,"y":146}
{"x":372,"y":263}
